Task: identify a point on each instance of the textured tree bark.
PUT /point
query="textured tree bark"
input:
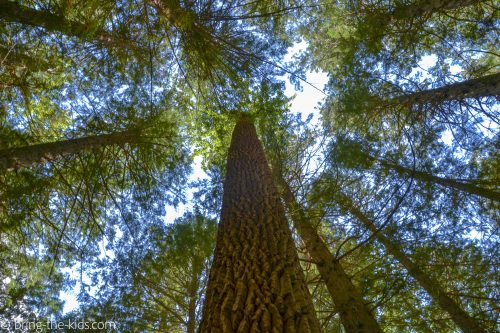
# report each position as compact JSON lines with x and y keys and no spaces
{"x":485,"y":86}
{"x":15,"y":158}
{"x":466,"y":323}
{"x":354,"y":314}
{"x":447,"y":182}
{"x":14,"y":12}
{"x":256,"y":283}
{"x":423,"y":7}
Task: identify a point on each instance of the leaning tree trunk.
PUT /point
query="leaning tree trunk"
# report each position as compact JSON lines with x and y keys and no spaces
{"x":354,"y":314}
{"x":15,"y":158}
{"x":256,"y":283}
{"x":466,"y":323}
{"x":488,"y":85}
{"x":426,"y":7}
{"x":13,"y":12}
{"x":446,"y":182}
{"x":461,"y":185}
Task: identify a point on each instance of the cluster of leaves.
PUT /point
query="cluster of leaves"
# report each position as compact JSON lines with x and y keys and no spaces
{"x":410,"y":151}
{"x":166,"y":71}
{"x":413,"y":149}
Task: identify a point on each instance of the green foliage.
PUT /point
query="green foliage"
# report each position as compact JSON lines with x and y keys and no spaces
{"x":153,"y":278}
{"x":351,"y":154}
{"x":179,"y":74}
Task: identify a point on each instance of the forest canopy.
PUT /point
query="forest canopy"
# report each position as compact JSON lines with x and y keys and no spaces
{"x":375,"y":210}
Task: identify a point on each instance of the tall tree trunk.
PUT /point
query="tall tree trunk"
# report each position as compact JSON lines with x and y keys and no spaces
{"x":354,"y":314}
{"x":13,"y":12}
{"x":466,"y":323}
{"x":194,"y":283}
{"x":15,"y":158}
{"x":447,"y":182}
{"x":256,"y":283}
{"x":488,"y":85}
{"x":426,"y":7}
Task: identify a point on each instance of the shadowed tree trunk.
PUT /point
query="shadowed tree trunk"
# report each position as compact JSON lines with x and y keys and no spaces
{"x":446,"y":182}
{"x":466,"y":323}
{"x":13,"y":12}
{"x":354,"y":314}
{"x":256,"y":283}
{"x":457,"y":184}
{"x":15,"y":158}
{"x":488,"y":85}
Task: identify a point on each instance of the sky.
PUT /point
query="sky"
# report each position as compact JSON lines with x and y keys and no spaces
{"x":305,"y":101}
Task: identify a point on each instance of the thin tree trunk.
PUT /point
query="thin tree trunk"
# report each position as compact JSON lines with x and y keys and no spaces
{"x":425,"y":7}
{"x":256,"y":283}
{"x":15,"y":158}
{"x":194,"y":283}
{"x":432,"y":287}
{"x":488,"y":85}
{"x":461,"y":185}
{"x":447,"y":182}
{"x":13,"y":12}
{"x":354,"y":314}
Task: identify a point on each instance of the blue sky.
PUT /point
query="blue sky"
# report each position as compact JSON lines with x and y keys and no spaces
{"x":305,"y":102}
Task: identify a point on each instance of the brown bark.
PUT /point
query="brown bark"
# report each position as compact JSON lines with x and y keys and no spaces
{"x":446,"y":182}
{"x":15,"y":158}
{"x":488,"y":85}
{"x":354,"y":314}
{"x":256,"y":283}
{"x":13,"y":12}
{"x":466,"y":323}
{"x":426,"y":7}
